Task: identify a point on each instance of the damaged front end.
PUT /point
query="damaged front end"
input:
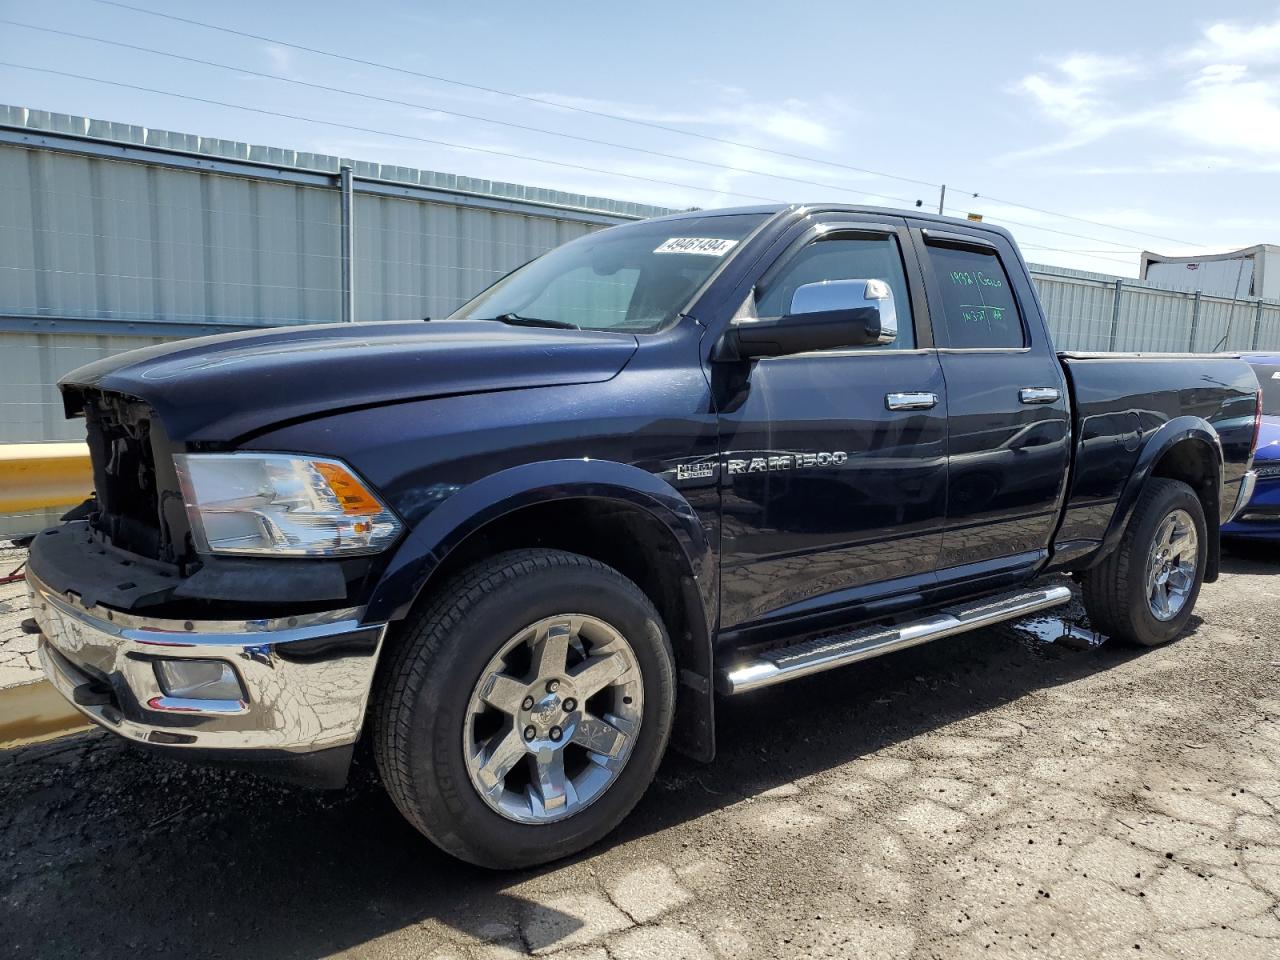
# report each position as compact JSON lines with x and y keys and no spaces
{"x":265,"y":661}
{"x":131,"y":545}
{"x":137,"y":504}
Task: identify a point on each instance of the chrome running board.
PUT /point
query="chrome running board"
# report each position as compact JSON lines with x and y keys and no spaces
{"x":837,"y":650}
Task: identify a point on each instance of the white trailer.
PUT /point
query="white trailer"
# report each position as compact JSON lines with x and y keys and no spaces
{"x":1245,"y":274}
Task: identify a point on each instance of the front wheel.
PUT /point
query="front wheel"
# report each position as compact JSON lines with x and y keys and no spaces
{"x":527,"y":709}
{"x":1145,"y":590}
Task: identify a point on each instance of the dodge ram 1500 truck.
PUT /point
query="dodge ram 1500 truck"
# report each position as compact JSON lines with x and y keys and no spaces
{"x":521,"y":549}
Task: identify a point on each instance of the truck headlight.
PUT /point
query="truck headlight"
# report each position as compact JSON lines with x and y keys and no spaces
{"x":281,"y":505}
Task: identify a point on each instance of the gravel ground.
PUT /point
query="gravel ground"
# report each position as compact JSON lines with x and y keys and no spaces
{"x":989,"y":795}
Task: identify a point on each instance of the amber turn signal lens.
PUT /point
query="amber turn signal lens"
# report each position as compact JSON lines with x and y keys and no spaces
{"x":355,"y":499}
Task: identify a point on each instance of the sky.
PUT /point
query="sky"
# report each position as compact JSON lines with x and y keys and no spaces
{"x":1091,"y":130}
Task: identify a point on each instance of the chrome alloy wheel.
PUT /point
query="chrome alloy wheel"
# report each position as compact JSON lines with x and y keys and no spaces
{"x":1171,"y":565}
{"x":552,"y":719}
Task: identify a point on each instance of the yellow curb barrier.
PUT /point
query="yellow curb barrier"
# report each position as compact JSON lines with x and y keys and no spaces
{"x":35,"y":476}
{"x":32,"y":712}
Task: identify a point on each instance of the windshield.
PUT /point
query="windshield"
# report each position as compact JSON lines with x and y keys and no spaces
{"x":1269,"y":379}
{"x":634,"y":278}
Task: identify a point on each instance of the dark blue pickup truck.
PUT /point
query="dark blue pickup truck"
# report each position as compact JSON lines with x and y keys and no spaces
{"x":519,"y":550}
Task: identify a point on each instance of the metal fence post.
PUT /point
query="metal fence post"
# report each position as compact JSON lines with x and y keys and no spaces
{"x":1257,"y":325}
{"x":1195,"y":320}
{"x":347,"y":240}
{"x":1115,"y":314}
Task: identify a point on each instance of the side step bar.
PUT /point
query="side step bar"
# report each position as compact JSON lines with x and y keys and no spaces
{"x":837,"y":650}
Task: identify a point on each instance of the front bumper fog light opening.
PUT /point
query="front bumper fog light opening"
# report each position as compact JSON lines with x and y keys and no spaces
{"x":199,"y":680}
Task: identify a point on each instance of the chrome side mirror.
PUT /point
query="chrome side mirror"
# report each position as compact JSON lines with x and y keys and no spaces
{"x":840,"y":296}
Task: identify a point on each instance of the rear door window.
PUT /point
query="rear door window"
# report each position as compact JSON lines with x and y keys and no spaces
{"x":978,"y":307}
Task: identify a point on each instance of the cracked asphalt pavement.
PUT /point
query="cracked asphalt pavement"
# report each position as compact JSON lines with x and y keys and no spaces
{"x":988,"y":795}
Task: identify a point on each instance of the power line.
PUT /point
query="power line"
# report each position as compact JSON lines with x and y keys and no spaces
{"x":1083,"y":249}
{"x":457,"y":146}
{"x":502,"y":93}
{"x":618,"y":117}
{"x":453,"y":113}
{"x":1080,"y":253}
{"x":383,"y":133}
{"x":1061,"y":233}
{"x":1068,"y":216}
{"x":421,"y":106}
{"x":443,"y":143}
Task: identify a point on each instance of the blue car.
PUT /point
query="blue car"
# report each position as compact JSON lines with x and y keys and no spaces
{"x":1260,"y":519}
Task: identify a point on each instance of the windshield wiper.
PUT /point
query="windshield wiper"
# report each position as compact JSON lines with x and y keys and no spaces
{"x":515,"y":320}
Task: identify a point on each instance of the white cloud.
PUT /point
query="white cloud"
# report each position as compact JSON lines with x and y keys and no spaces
{"x":1070,"y":91}
{"x":281,"y":58}
{"x":1231,"y":42}
{"x":1223,"y":106}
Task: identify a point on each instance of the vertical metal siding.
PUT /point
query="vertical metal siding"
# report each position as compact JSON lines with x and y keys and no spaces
{"x":31,"y":363}
{"x":416,"y":260}
{"x":1078,"y":311}
{"x":1079,"y":308}
{"x":83,"y":237}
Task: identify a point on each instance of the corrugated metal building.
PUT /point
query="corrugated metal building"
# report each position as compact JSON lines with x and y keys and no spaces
{"x":115,"y":236}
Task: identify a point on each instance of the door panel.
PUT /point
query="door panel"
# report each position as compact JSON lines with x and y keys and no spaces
{"x":826,"y":492}
{"x":863,"y":499}
{"x":1008,"y":460}
{"x":1009,"y":444}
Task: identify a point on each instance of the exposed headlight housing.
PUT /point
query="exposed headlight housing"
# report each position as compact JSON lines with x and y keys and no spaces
{"x":281,"y":505}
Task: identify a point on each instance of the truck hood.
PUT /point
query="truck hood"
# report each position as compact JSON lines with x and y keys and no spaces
{"x":223,"y":387}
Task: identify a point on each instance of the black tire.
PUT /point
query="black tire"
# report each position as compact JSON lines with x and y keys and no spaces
{"x":1115,"y":591}
{"x":424,"y":690}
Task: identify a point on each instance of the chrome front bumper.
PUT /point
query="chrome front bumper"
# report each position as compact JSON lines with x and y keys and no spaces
{"x":306,"y":679}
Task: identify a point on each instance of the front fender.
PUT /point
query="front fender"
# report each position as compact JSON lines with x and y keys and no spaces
{"x":1157,"y":445}
{"x":484,"y":500}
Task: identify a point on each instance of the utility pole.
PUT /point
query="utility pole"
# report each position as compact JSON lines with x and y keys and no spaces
{"x":942,"y":199}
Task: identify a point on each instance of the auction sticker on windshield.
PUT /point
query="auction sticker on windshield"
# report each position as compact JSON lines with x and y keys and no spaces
{"x":707,"y":246}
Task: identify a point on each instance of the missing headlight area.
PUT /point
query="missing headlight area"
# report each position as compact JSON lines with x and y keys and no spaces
{"x":126,"y":487}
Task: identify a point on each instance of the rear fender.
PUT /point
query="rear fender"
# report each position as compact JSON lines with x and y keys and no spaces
{"x":1161,"y":442}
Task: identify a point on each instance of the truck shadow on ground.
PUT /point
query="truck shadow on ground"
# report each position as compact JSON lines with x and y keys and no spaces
{"x":1240,"y":555}
{"x":108,"y":851}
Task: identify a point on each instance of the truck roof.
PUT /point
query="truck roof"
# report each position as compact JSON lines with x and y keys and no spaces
{"x":775,"y":209}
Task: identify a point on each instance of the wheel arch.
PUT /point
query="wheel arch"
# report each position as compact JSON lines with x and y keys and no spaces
{"x":1187,"y":449}
{"x":615,"y":513}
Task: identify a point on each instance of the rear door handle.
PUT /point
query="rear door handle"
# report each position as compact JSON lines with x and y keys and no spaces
{"x":1039,"y":394}
{"x":910,"y":401}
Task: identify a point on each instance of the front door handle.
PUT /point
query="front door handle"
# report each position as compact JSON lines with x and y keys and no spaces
{"x":910,"y":401}
{"x":1039,"y":394}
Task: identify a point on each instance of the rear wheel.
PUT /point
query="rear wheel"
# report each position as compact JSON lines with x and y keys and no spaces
{"x":527,"y":709}
{"x":1145,"y":590}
